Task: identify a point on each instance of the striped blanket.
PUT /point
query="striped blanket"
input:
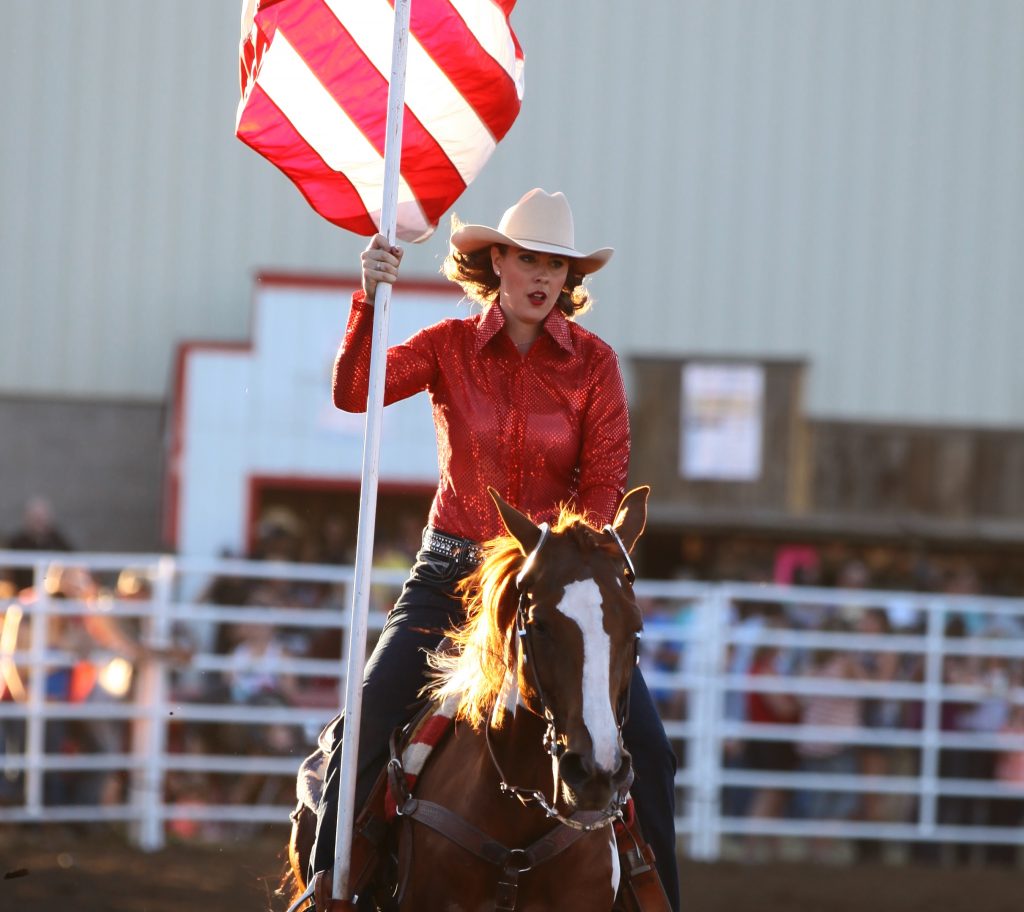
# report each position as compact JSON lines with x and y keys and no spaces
{"x":428,"y":733}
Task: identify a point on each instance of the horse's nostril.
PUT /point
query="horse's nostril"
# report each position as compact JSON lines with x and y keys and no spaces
{"x":587,"y":785}
{"x":625,"y":768}
{"x":575,"y":768}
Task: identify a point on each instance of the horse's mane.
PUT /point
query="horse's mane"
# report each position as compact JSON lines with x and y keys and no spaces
{"x":476,"y":670}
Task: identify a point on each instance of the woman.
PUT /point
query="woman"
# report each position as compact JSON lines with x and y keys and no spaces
{"x":525,"y":401}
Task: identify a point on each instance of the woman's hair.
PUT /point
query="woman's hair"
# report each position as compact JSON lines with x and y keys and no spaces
{"x":475,"y":273}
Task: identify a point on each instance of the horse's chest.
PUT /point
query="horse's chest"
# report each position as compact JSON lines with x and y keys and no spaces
{"x":445,"y":878}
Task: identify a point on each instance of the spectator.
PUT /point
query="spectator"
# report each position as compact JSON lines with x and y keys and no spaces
{"x":254,"y":681}
{"x":87,"y":679}
{"x":986,"y":714}
{"x":279,"y":535}
{"x":830,"y":757}
{"x":1009,"y":812}
{"x":797,"y":565}
{"x":748,"y":620}
{"x":307,"y":593}
{"x":336,"y":540}
{"x":880,"y":713}
{"x":989,"y":715}
{"x":664,"y":655}
{"x":802,"y":567}
{"x":12,"y":689}
{"x":961,"y":582}
{"x":38,"y":532}
{"x":774,"y":755}
{"x":252,"y":678}
{"x":854,"y":575}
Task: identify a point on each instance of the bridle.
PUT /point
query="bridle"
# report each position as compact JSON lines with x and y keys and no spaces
{"x":554,"y":744}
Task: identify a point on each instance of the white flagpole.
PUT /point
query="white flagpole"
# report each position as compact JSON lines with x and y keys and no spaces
{"x":371,"y":454}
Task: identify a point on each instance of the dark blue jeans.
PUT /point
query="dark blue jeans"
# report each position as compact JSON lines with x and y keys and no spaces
{"x":391,"y":683}
{"x":392,"y":679}
{"x":653,"y":789}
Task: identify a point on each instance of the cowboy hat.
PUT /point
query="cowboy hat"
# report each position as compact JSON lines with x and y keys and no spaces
{"x":541,"y":222}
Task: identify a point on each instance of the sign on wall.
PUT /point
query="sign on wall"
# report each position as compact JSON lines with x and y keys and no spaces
{"x":722,"y":422}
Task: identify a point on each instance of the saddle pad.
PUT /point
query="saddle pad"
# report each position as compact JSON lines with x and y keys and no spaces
{"x":309,"y":785}
{"x":429,"y":732}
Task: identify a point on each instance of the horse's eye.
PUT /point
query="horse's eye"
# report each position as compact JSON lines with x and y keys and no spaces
{"x":538,"y":626}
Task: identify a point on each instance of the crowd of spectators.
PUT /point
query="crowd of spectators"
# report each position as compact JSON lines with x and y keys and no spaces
{"x":100,"y":654}
{"x":108,"y":654}
{"x":250,"y":650}
{"x":990,"y":701}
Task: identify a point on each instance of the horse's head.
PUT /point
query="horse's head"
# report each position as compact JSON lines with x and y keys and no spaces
{"x":579,"y":625}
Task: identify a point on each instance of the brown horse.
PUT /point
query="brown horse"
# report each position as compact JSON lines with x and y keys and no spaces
{"x":513,"y":810}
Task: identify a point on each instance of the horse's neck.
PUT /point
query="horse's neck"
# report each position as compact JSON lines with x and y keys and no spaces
{"x":462,"y":777}
{"x":518,"y":747}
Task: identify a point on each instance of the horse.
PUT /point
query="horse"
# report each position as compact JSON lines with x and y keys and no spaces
{"x":514,"y":809}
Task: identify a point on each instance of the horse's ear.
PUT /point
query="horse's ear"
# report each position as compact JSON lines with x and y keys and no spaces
{"x":519,"y":525}
{"x":631,"y":516}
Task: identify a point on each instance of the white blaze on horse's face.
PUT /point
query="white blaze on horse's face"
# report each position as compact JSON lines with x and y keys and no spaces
{"x":581,"y":602}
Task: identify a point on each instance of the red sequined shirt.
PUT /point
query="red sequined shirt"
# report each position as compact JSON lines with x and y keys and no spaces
{"x":543,"y":429}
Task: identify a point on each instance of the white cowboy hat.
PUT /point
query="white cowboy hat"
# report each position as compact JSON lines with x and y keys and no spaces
{"x":541,"y":222}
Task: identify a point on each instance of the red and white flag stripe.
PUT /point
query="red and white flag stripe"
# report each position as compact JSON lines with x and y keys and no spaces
{"x":314,"y":101}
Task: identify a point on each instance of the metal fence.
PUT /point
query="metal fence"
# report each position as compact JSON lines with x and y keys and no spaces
{"x":151,"y":736}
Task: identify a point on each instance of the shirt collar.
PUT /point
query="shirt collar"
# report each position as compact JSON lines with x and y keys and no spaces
{"x":493,"y":321}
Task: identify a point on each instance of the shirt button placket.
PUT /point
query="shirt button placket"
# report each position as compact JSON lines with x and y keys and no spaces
{"x":519,"y":409}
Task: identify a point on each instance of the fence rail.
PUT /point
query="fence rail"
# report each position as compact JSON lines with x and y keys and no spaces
{"x":694,"y":643}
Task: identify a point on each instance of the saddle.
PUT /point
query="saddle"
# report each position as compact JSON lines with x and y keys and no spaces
{"x":373,"y":862}
{"x":370,"y":842}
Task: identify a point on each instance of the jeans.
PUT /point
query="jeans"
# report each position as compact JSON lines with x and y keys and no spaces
{"x":392,"y":680}
{"x":653,"y":789}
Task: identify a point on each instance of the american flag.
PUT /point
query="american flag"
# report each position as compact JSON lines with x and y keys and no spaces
{"x":314,"y":77}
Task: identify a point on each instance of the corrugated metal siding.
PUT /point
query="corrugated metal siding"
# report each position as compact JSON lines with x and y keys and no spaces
{"x":838,"y":181}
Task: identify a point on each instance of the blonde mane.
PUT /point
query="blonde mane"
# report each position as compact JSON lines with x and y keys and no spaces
{"x":476,"y":670}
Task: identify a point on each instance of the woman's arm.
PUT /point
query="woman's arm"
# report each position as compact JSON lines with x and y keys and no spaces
{"x":604,"y":456}
{"x":410,"y":366}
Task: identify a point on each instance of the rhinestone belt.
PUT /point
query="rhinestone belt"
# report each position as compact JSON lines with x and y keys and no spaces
{"x":466,"y":552}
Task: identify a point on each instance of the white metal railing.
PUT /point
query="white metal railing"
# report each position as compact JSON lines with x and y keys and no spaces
{"x":698,"y":621}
